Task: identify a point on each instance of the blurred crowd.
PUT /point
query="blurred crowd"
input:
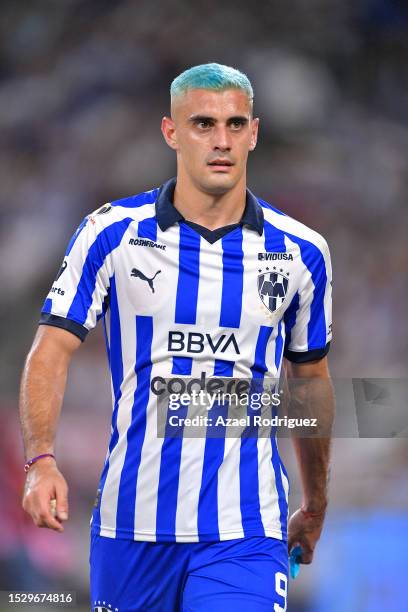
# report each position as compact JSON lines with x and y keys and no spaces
{"x":83,"y":87}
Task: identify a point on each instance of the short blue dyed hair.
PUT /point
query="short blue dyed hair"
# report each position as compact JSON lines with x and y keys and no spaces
{"x":215,"y":77}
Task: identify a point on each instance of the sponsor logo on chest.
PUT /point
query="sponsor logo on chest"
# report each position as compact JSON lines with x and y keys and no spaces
{"x":147,"y":243}
{"x":195,"y":342}
{"x":275,"y":256}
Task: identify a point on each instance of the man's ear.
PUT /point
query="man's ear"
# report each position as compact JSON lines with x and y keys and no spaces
{"x":168,"y":129}
{"x":254,"y":134}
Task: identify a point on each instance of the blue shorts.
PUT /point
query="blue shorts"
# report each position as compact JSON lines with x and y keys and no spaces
{"x":244,"y":575}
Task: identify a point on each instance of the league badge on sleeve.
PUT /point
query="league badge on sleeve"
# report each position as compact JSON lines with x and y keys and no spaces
{"x":103,"y":209}
{"x":62,"y":269}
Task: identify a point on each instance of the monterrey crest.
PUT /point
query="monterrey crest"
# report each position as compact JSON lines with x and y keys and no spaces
{"x":273,"y":287}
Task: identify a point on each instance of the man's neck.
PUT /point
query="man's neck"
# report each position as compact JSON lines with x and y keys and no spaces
{"x":209,"y":210}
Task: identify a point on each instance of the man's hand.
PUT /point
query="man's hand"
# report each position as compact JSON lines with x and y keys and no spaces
{"x":311,"y":393}
{"x":304,"y":530}
{"x":42,"y":390}
{"x":44,"y":483}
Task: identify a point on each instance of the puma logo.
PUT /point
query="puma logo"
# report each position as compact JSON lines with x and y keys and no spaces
{"x":138,"y":274}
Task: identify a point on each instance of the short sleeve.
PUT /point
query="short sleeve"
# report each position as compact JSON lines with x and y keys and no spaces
{"x":308,"y":321}
{"x":76,"y":299}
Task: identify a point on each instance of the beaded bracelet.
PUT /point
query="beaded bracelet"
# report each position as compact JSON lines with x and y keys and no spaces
{"x":34,"y":459}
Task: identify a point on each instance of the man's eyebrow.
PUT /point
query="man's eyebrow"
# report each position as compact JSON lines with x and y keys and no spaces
{"x":238,"y":118}
{"x":198,"y":118}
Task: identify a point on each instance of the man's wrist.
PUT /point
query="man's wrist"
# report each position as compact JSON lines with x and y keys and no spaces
{"x":314,"y":507}
{"x":43,"y":458}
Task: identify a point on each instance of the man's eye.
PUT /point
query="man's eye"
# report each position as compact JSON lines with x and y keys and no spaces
{"x":236,"y":125}
{"x":203,"y":125}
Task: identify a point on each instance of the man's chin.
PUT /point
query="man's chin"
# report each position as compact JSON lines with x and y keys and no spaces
{"x":218,"y":184}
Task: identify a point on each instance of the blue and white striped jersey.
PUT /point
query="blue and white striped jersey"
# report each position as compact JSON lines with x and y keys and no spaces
{"x":174,"y":302}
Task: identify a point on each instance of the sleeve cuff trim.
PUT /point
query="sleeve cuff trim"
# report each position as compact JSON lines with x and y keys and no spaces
{"x":305,"y":356}
{"x":68,"y":324}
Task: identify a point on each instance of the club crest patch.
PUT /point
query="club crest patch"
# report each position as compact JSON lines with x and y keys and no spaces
{"x":103,"y":606}
{"x":273,"y":287}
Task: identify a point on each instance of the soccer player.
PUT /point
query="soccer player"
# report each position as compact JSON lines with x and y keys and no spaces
{"x":197,"y":279}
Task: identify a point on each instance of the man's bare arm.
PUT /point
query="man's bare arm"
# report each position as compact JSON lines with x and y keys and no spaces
{"x":41,"y":395}
{"x":311,"y":396}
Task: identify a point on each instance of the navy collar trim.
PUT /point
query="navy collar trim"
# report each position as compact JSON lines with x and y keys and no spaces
{"x":167,"y":215}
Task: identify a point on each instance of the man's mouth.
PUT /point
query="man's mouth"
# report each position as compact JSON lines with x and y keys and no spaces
{"x":220,"y":164}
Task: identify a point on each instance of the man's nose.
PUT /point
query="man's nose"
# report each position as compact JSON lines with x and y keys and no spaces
{"x":221,"y":138}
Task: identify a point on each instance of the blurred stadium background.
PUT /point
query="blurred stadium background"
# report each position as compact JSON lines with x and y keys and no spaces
{"x":83,"y":86}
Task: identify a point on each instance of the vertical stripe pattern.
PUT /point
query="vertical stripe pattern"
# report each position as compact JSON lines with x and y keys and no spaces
{"x":314,"y":261}
{"x":105,"y":242}
{"x":189,"y":276}
{"x":232,"y":280}
{"x":249,"y":478}
{"x":186,"y":312}
{"x":228,"y":309}
{"x":135,"y":435}
{"x":114,"y":348}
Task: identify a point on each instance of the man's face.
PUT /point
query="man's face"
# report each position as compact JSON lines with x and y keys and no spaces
{"x":212,"y":133}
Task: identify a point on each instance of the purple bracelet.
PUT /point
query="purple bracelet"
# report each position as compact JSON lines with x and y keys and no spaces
{"x":34,"y":459}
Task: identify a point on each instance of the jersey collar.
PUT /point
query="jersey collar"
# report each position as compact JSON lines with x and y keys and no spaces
{"x":167,"y":215}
